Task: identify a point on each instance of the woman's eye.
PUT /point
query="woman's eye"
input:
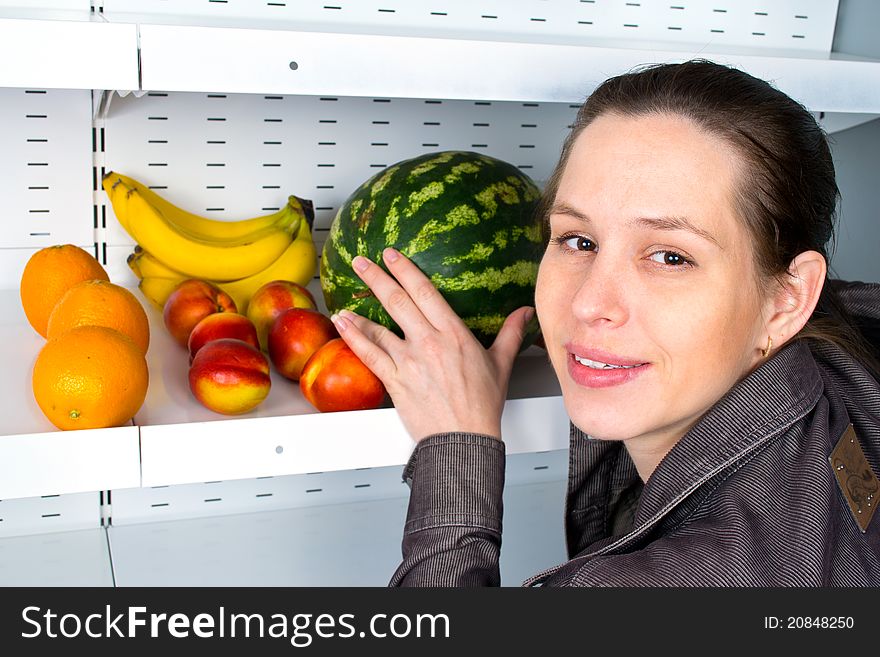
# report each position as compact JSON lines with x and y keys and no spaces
{"x":669,"y":258}
{"x":579,"y":243}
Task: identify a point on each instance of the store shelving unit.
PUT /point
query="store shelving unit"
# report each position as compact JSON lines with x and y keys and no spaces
{"x":229,"y":107}
{"x":66,"y":48}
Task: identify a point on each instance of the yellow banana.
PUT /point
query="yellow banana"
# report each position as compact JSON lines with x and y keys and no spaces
{"x":157,"y":289}
{"x":144,"y":264}
{"x":203,"y":227}
{"x":134,"y":262}
{"x":298,"y":264}
{"x":193,"y":256}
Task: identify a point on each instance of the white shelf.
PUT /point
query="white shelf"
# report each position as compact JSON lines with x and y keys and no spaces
{"x":238,"y":60}
{"x":183,"y":442}
{"x":175,"y":440}
{"x":66,"y":49}
{"x":68,"y":462}
{"x":236,"y":53}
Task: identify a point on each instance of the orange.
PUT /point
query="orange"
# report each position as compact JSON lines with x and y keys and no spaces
{"x":48,"y":274}
{"x":100,"y":303}
{"x":90,"y":377}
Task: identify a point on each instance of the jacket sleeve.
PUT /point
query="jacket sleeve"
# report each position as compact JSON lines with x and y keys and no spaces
{"x":452,"y":535}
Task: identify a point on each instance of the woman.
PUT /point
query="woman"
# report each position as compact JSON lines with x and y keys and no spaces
{"x":725,"y":411}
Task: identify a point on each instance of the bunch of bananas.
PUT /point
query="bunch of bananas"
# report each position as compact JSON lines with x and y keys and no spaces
{"x":237,"y":256}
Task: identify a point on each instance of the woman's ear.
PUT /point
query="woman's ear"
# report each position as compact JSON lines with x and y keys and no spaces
{"x":797,"y":296}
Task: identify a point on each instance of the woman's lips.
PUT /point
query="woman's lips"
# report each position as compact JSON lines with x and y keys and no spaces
{"x":593,"y":368}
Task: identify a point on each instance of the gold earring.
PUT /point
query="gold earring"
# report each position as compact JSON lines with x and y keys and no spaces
{"x":766,"y":352}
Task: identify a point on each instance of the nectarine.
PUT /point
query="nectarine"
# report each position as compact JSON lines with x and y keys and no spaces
{"x":221,"y":325}
{"x":335,"y":379}
{"x":190,"y":302}
{"x":271,"y":300}
{"x":229,"y":376}
{"x":295,"y":335}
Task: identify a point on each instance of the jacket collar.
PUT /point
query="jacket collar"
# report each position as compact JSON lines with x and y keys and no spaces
{"x":763,"y":404}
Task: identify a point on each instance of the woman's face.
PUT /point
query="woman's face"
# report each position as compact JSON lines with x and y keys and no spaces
{"x":646,"y":294}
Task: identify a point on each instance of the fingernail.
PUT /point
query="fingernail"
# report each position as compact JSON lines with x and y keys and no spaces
{"x":391,"y":255}
{"x":529,"y":314}
{"x":340,"y":323}
{"x":360,"y":264}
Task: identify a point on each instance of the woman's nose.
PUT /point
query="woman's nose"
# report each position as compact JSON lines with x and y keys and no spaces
{"x":600,"y":296}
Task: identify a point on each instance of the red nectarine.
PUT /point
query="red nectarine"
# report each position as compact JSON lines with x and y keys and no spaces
{"x":221,"y":325}
{"x":190,"y":302}
{"x":295,"y":335}
{"x":229,"y":376}
{"x":271,"y":300}
{"x":335,"y":379}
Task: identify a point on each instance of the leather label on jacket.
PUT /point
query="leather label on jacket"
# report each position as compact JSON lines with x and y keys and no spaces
{"x":858,"y":482}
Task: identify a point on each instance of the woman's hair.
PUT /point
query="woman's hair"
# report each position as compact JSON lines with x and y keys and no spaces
{"x":786,"y":194}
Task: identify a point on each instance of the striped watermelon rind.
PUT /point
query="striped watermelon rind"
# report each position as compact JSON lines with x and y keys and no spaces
{"x":465,"y":219}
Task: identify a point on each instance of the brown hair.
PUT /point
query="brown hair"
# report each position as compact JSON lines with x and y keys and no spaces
{"x":789,"y":194}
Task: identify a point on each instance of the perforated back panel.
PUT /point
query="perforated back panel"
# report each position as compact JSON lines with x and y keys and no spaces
{"x":46,"y":167}
{"x":51,"y":513}
{"x":356,"y":543}
{"x":238,"y":155}
{"x":806,"y":25}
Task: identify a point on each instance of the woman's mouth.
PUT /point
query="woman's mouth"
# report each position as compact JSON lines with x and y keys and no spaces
{"x":595,"y":369}
{"x":596,"y":365}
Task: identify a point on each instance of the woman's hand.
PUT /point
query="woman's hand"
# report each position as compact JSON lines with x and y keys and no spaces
{"x":439,"y":376}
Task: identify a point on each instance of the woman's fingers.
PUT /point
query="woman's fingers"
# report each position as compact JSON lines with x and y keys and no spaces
{"x":439,"y":377}
{"x":376,"y":333}
{"x":420,"y":289}
{"x":509,"y":339}
{"x":369,"y":342}
{"x":411,"y":300}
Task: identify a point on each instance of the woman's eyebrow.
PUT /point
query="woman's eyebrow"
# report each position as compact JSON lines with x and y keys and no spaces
{"x":676,"y":223}
{"x":657,"y":223}
{"x":565,"y":208}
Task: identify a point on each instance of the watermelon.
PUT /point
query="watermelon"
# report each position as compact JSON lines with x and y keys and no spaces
{"x":467,"y":220}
